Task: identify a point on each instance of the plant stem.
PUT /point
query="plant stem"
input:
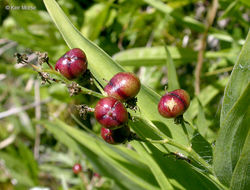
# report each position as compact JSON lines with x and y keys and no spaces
{"x":83,"y":89}
{"x":91,"y":92}
{"x":223,"y":70}
{"x":84,"y":180}
{"x":38,"y":114}
{"x":203,"y":40}
{"x":54,"y":72}
{"x":217,"y":182}
{"x":50,"y":66}
{"x":190,"y":124}
{"x":189,"y":150}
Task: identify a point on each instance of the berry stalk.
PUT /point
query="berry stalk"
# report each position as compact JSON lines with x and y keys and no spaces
{"x":68,"y":82}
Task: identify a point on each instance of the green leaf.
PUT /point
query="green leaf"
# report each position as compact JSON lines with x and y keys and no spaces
{"x":62,"y":137}
{"x":154,"y":166}
{"x":202,"y":123}
{"x":17,"y":168}
{"x":238,"y":81}
{"x":113,"y":158}
{"x":206,"y":95}
{"x":231,"y":140}
{"x":173,"y":83}
{"x":246,"y":2}
{"x":202,"y":147}
{"x":241,"y":176}
{"x":234,"y":122}
{"x":229,"y":9}
{"x":28,"y":159}
{"x":96,"y":14}
{"x":185,"y":20}
{"x":169,"y":166}
{"x":151,"y":56}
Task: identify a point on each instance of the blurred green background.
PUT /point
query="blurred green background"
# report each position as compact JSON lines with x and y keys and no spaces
{"x":134,"y":34}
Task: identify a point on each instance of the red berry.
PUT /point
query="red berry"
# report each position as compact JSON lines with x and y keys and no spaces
{"x":72,"y":64}
{"x":77,"y":168}
{"x":97,"y":175}
{"x":111,"y":113}
{"x":116,"y":136}
{"x":123,"y":86}
{"x":174,"y":103}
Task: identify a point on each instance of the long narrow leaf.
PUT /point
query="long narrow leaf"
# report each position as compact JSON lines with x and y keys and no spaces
{"x":232,"y":138}
{"x":172,"y":75}
{"x":97,"y":151}
{"x":241,"y":175}
{"x":238,"y":80}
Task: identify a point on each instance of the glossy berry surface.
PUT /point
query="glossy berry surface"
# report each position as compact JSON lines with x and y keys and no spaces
{"x":123,"y":86}
{"x":174,"y":103}
{"x":72,"y":64}
{"x":116,"y":136}
{"x":77,"y":168}
{"x":110,"y":113}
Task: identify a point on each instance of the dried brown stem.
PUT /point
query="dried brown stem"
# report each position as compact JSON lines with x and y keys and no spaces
{"x":7,"y":141}
{"x":38,"y":117}
{"x":210,"y":19}
{"x":84,"y":180}
{"x":14,"y":111}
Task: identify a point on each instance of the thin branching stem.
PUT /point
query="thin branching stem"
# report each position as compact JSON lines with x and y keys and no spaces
{"x":67,"y":82}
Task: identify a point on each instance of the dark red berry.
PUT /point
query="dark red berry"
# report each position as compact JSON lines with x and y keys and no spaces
{"x":77,"y":168}
{"x":123,"y":86}
{"x":174,"y":103}
{"x":97,"y":175}
{"x":72,"y":64}
{"x":111,"y":113}
{"x":116,"y":136}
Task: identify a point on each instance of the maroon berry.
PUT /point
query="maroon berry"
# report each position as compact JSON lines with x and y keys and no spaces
{"x":77,"y":168}
{"x":72,"y":64}
{"x":116,"y":136}
{"x":111,"y":113}
{"x":123,"y":86}
{"x":97,"y":175}
{"x":174,"y":103}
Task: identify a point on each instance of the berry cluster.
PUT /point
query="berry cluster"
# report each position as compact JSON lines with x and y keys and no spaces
{"x":110,"y":111}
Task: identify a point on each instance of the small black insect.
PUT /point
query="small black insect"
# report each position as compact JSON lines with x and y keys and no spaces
{"x":179,"y":156}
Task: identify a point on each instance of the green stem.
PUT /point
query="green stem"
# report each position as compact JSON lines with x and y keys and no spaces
{"x":189,"y":150}
{"x":66,"y":81}
{"x":190,"y":124}
{"x":217,"y":182}
{"x":91,"y":92}
{"x":54,"y":72}
{"x":223,"y":70}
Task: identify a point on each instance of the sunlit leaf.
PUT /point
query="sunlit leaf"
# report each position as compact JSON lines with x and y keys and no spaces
{"x":172,"y":75}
